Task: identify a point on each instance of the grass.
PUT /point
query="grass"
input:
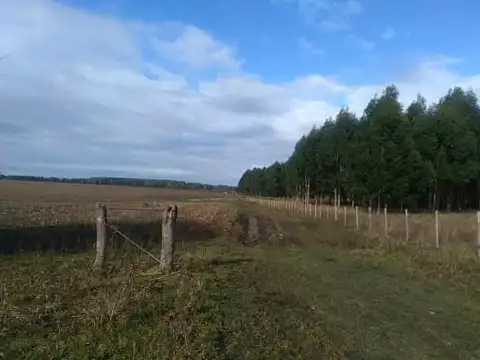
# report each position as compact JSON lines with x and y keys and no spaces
{"x":39,"y":216}
{"x":28,"y":204}
{"x":457,"y":231}
{"x":301,"y":290}
{"x":85,"y":193}
{"x":249,"y":283}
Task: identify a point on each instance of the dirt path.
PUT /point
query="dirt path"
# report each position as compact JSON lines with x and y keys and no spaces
{"x":374,"y":306}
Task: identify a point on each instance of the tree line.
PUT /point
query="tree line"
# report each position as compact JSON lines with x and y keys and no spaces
{"x":168,"y":184}
{"x":421,"y":157}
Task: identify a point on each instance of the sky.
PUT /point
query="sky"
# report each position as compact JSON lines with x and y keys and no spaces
{"x":201,"y":90}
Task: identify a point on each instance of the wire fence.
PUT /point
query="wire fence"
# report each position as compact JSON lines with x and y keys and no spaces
{"x":436,"y":229}
{"x":168,"y":221}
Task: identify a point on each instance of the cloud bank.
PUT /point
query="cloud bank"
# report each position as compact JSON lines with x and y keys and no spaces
{"x":84,"y":94}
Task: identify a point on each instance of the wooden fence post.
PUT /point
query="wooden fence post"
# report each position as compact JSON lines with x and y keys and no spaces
{"x":370,"y":219}
{"x":385,"y":214}
{"x":407,"y":232}
{"x":168,"y":242}
{"x":437,"y":237}
{"x":335,"y":206}
{"x":321,"y":205}
{"x":101,"y":245}
{"x":356,"y":218}
{"x":478,"y":233}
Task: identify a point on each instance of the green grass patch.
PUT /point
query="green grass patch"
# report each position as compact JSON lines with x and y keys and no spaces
{"x":302,"y":291}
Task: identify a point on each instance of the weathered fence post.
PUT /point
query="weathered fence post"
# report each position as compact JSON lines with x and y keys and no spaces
{"x":478,"y":233}
{"x":385,"y":225}
{"x":337,"y":204}
{"x":169,"y":219}
{"x":437,"y":237}
{"x":101,"y":245}
{"x":370,"y":219}
{"x":357,"y":225}
{"x":407,"y":232}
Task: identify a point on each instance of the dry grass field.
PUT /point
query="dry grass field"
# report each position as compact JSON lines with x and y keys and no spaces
{"x":41,"y":203}
{"x":250,"y":282}
{"x":50,"y":191}
{"x":457,"y":232}
{"x":42,"y":216}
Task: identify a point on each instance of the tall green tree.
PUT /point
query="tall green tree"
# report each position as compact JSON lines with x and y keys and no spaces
{"x":421,"y":157}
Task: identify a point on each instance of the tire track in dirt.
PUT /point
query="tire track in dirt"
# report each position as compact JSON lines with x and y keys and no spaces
{"x":254,"y":227}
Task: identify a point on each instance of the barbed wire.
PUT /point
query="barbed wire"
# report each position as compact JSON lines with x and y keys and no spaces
{"x":134,"y":209}
{"x":134,"y":243}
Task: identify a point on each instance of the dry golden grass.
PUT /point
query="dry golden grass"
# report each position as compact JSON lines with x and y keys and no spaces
{"x":51,"y":216}
{"x":29,"y":204}
{"x":457,"y":231}
{"x":305,"y":289}
{"x":27,"y":191}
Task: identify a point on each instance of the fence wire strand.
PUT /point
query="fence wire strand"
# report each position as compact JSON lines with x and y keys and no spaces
{"x":134,"y":243}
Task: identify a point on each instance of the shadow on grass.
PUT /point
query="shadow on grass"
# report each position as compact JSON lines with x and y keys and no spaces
{"x":81,"y":237}
{"x":236,"y":261}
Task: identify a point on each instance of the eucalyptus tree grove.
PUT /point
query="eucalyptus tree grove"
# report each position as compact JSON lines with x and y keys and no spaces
{"x":421,"y":157}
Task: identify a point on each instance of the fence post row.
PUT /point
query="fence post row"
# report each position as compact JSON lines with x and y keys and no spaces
{"x":295,"y":205}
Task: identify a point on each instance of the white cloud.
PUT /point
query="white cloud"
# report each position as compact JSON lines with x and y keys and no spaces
{"x":333,"y":25}
{"x":360,"y":42}
{"x":352,"y":7}
{"x":309,"y":47}
{"x":197,"y":48}
{"x":432,"y":78}
{"x":79,"y":97}
{"x":388,"y":33}
{"x":301,"y":116}
{"x":329,"y":15}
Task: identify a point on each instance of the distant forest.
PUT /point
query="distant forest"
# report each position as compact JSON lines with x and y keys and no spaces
{"x":169,"y":184}
{"x":421,"y":157}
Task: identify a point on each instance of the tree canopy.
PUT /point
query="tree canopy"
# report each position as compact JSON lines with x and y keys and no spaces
{"x":419,"y":157}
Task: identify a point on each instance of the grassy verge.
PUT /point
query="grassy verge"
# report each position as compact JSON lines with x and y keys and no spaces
{"x":302,"y":290}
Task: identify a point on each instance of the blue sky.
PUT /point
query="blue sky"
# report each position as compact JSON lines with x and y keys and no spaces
{"x":278,"y":38}
{"x":202,"y":89}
